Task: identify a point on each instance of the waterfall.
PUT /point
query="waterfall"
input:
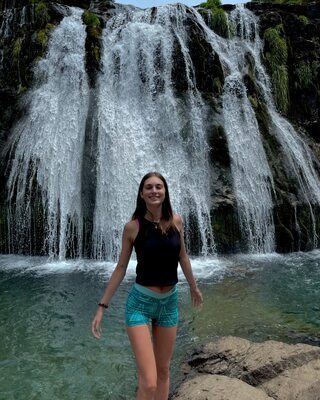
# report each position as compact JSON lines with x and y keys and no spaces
{"x":253,"y":182}
{"x":141,"y":120}
{"x":252,"y":177}
{"x":145,"y":125}
{"x":295,"y":152}
{"x":48,"y":145}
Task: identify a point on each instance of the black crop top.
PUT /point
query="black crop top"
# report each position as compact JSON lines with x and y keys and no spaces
{"x":157,"y":255}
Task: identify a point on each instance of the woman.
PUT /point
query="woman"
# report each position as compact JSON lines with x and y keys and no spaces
{"x":157,"y":235}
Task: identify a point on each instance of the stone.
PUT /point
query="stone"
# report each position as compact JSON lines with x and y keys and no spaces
{"x":215,"y":387}
{"x":277,"y":370}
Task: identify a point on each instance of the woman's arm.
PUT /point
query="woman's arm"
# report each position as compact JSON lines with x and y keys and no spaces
{"x":195,"y":294}
{"x":117,"y":275}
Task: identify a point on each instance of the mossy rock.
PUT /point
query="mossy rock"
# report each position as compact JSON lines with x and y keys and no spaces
{"x":90,"y":19}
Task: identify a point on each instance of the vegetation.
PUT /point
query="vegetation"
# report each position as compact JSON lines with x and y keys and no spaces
{"x":303,"y":74}
{"x":43,"y":35}
{"x":276,"y":56}
{"x":41,"y":11}
{"x":211,"y":4}
{"x":303,"y":19}
{"x":219,"y":23}
{"x":219,"y":19}
{"x":90,"y":19}
{"x":17,"y":49}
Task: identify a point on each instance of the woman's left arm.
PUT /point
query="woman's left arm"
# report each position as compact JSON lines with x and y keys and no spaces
{"x":195,"y":294}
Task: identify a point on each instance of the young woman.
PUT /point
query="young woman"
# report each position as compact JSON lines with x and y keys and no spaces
{"x":157,"y":236}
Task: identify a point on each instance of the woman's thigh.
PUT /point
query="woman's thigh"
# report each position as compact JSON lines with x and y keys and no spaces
{"x":141,"y":343}
{"x":164,"y":340}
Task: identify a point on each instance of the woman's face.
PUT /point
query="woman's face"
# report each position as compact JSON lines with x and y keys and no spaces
{"x":153,"y":191}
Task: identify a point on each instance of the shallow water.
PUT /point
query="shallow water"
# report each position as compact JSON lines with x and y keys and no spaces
{"x":47,"y":351}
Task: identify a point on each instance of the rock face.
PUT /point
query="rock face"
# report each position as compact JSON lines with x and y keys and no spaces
{"x":234,"y":368}
{"x":25,"y":26}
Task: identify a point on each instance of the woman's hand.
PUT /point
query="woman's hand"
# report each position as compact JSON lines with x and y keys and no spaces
{"x":96,"y":323}
{"x":196,"y":297}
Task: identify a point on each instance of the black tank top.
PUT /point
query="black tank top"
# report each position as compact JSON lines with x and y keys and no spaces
{"x":157,"y":255}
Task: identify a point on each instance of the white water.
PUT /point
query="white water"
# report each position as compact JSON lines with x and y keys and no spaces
{"x":253,"y":182}
{"x":48,"y":141}
{"x":252,"y":177}
{"x":298,"y":157}
{"x":144,"y":126}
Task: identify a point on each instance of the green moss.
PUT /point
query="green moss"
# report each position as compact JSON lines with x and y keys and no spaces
{"x":90,"y":19}
{"x":276,"y":57}
{"x":16,"y":50}
{"x":41,"y":11}
{"x":303,"y":19}
{"x":43,"y":35}
{"x":211,"y":4}
{"x":280,"y":81}
{"x":220,"y":23}
{"x":278,"y":50}
{"x":303,"y":74}
{"x":22,"y":89}
{"x":217,"y":86}
{"x":254,"y":101}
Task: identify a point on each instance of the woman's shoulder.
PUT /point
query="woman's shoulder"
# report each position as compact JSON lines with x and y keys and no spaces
{"x":177,"y":220}
{"x":131,"y":228}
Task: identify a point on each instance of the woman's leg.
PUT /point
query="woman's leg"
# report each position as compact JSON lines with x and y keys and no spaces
{"x":164,"y":340}
{"x":141,"y":342}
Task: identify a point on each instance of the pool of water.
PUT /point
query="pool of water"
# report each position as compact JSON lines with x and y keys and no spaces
{"x":47,"y":351}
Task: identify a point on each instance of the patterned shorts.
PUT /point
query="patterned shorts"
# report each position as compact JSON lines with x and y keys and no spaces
{"x":145,"y":305}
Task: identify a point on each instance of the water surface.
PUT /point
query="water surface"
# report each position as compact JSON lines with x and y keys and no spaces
{"x":47,"y":351}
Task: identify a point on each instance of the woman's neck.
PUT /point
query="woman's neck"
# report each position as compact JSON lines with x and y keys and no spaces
{"x":154,"y":214}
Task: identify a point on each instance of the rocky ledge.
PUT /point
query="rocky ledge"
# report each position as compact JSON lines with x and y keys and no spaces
{"x":236,"y":369}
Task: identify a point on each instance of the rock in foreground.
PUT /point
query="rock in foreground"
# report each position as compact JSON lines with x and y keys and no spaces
{"x":234,"y":368}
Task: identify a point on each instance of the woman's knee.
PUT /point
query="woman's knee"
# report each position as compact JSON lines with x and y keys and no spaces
{"x":148,"y":385}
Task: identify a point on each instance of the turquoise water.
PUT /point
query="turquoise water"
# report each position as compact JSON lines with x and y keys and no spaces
{"x":47,"y":351}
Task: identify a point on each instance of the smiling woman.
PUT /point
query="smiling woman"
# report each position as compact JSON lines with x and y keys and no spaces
{"x":157,"y":236}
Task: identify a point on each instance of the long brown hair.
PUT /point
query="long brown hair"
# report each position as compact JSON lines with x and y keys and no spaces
{"x":167,"y":213}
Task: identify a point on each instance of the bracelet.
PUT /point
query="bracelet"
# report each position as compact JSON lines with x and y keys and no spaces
{"x":103,"y":305}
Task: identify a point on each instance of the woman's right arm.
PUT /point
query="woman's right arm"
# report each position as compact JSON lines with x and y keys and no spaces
{"x":117,"y":275}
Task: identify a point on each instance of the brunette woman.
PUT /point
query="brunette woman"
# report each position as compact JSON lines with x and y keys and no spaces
{"x":157,"y":236}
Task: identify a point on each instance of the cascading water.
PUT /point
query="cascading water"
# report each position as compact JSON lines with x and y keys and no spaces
{"x":253,"y":183}
{"x":294,"y":149}
{"x":48,"y":144}
{"x":144,"y":125}
{"x":252,"y":177}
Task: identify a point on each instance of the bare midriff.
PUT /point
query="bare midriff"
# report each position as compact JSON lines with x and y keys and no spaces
{"x":160,"y":289}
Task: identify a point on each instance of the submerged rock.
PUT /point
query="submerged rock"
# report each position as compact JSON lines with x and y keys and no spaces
{"x":235,"y":368}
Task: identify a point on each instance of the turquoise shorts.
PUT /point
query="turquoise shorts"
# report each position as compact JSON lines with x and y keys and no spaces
{"x":146,"y":306}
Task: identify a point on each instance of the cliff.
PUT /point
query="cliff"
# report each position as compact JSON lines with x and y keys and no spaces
{"x":291,"y":54}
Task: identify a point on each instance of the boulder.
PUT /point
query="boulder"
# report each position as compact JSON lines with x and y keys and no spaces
{"x":273,"y":369}
{"x":216,"y":387}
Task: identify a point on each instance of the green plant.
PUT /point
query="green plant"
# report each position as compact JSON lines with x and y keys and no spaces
{"x":303,"y":73}
{"x":278,"y":50}
{"x":41,"y":11}
{"x":90,"y":19}
{"x":16,"y":50}
{"x":211,"y":4}
{"x":220,"y":23}
{"x":303,"y":19}
{"x":277,"y":56}
{"x":279,"y":79}
{"x":43,"y":35}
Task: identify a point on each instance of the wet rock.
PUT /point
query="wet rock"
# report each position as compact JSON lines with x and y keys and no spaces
{"x":278,"y":370}
{"x":215,"y":387}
